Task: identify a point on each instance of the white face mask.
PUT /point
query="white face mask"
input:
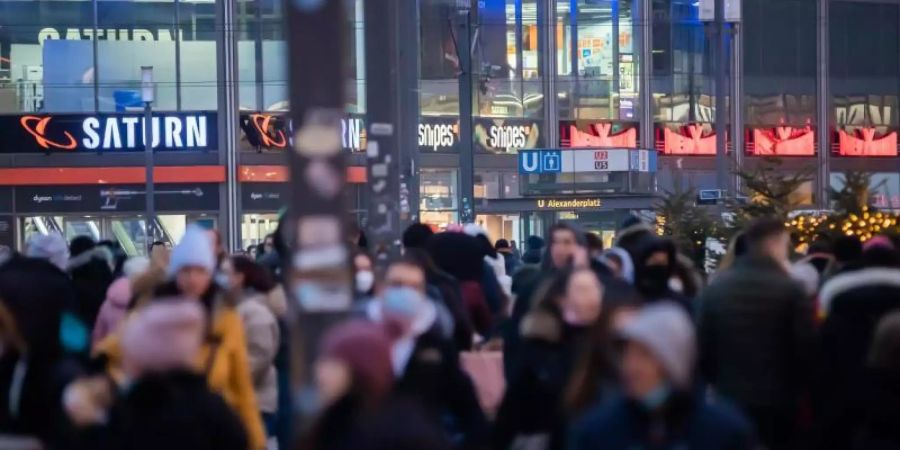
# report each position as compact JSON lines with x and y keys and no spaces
{"x":365,"y":279}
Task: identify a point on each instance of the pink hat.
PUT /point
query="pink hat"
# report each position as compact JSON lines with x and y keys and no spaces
{"x":881,"y":241}
{"x":364,"y":348}
{"x":164,"y":335}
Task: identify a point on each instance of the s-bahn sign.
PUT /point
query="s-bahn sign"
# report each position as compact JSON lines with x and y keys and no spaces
{"x":67,"y":133}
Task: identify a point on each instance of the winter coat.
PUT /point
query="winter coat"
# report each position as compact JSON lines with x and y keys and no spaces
{"x":36,"y":293}
{"x":171,"y":411}
{"x":853,"y":302}
{"x":877,"y":429}
{"x":511,"y":263}
{"x":686,"y":423}
{"x":433,"y":377}
{"x":263,"y":338}
{"x":525,"y":282}
{"x":223,"y":358}
{"x":756,"y":335}
{"x":477,"y":310}
{"x":533,"y":403}
{"x":451,"y":296}
{"x":114,"y":309}
{"x":91,"y":275}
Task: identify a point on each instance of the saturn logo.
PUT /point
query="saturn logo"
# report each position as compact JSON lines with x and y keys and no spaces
{"x":262,"y":122}
{"x":37,"y":127}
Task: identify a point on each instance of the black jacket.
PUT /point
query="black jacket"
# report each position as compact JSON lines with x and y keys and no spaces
{"x":171,"y":411}
{"x":533,"y":403}
{"x":685,"y":423}
{"x":756,"y":335}
{"x":877,"y":428}
{"x":433,"y":378}
{"x":36,"y":293}
{"x":91,"y":276}
{"x":853,"y":303}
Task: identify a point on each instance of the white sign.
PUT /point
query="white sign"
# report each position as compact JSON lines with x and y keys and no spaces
{"x":601,"y":160}
{"x":732,"y":10}
{"x":117,"y":133}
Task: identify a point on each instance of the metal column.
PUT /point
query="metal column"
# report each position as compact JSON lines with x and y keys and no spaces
{"x":721,"y":47}
{"x":546,"y":19}
{"x":646,"y":69}
{"x":737,"y":102}
{"x":149,"y":193}
{"x":462,"y":26}
{"x":317,"y":270}
{"x":823,"y":105}
{"x":229,"y":217}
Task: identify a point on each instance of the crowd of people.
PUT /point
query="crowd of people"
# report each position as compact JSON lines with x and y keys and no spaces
{"x":460,"y":343}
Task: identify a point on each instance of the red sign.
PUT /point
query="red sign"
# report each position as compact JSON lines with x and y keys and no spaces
{"x":37,"y":128}
{"x":574,"y":134}
{"x":781,"y":140}
{"x":692,"y":139}
{"x":863,"y":142}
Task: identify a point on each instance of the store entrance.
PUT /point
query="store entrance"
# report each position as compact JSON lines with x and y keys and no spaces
{"x":129,"y":231}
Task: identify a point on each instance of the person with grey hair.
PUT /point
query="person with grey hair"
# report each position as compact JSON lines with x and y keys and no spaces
{"x":658,"y":406}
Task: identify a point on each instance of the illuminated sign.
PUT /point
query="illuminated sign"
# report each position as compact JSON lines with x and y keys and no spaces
{"x":781,"y":140}
{"x":578,"y":134}
{"x":506,"y":135}
{"x":438,"y":134}
{"x":106,"y":132}
{"x":692,"y":139}
{"x":865,"y":141}
{"x":586,"y":160}
{"x":575,"y":203}
{"x":266,"y":131}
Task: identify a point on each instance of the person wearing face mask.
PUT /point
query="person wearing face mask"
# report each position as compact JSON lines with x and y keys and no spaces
{"x":759,"y":364}
{"x":554,"y":335}
{"x":425,"y":366}
{"x":363,"y":276}
{"x":654,"y":269}
{"x":657,"y":406}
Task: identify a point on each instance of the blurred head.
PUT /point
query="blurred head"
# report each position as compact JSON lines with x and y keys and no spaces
{"x":404,"y":312}
{"x":583,"y":299}
{"x":160,"y":254}
{"x":884,"y":354}
{"x":354,"y":359}
{"x":417,"y":235}
{"x":594,"y":244}
{"x":659,"y":352}
{"x":215,"y":239}
{"x":81,"y":244}
{"x":247,"y":274}
{"x":847,"y":249}
{"x":51,"y":247}
{"x":406,"y":273}
{"x":619,"y":262}
{"x":767,"y":237}
{"x":269,"y":244}
{"x":653,"y":265}
{"x":164,"y":335}
{"x":135,"y":266}
{"x":502,"y":246}
{"x":363,"y":272}
{"x":192,"y":262}
{"x":565,"y":241}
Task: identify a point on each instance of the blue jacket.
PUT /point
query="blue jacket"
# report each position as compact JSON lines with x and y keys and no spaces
{"x":688,"y":423}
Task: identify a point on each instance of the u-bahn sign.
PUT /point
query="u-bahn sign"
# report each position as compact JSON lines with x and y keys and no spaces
{"x":586,"y":160}
{"x":63,"y":133}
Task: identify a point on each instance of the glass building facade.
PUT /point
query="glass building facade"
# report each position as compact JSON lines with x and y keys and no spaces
{"x":813,"y":81}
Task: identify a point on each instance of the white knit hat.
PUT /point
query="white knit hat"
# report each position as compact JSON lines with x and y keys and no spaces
{"x":666,"y":330}
{"x":51,"y":247}
{"x":194,"y":250}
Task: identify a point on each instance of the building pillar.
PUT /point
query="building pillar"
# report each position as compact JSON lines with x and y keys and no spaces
{"x":823,"y":105}
{"x":645,"y":68}
{"x":546,"y":19}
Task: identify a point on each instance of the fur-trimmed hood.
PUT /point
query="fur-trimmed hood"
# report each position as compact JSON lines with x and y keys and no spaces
{"x":99,"y":253}
{"x":840,"y":284}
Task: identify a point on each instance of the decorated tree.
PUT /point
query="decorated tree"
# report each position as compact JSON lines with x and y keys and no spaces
{"x":770,"y":192}
{"x":687,"y":224}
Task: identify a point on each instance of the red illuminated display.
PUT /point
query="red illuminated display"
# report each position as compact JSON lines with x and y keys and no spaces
{"x":782,"y":140}
{"x":597,"y":134}
{"x":864,"y":142}
{"x":692,"y":139}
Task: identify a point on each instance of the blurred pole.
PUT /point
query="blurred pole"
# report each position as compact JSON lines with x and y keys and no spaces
{"x":317,"y":270}
{"x":721,"y":95}
{"x":392,"y":120}
{"x":462,"y":31}
{"x":147,"y":96}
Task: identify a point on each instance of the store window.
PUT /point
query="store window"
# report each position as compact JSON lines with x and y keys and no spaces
{"x":884,"y":189}
{"x":46,"y":56}
{"x":500,"y":226}
{"x":198,"y":66}
{"x":780,"y":76}
{"x":438,"y":197}
{"x":439,"y":63}
{"x":865,"y":72}
{"x":598,"y":60}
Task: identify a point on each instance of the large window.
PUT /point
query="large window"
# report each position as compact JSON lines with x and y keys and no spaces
{"x":55,"y":56}
{"x":598,"y":59}
{"x":865,"y":75}
{"x":780,"y":76}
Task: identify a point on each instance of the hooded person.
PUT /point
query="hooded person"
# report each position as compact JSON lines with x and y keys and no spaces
{"x":852,"y":303}
{"x":37,"y":293}
{"x":425,"y":366}
{"x":619,"y":262}
{"x":118,"y":298}
{"x":166,"y":403}
{"x":654,"y":268}
{"x":223,"y":354}
{"x":534,"y":249}
{"x":91,"y":268}
{"x":658,"y":406}
{"x":492,"y":258}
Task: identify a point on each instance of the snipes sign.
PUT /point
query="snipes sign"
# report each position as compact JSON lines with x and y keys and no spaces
{"x":63,"y":133}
